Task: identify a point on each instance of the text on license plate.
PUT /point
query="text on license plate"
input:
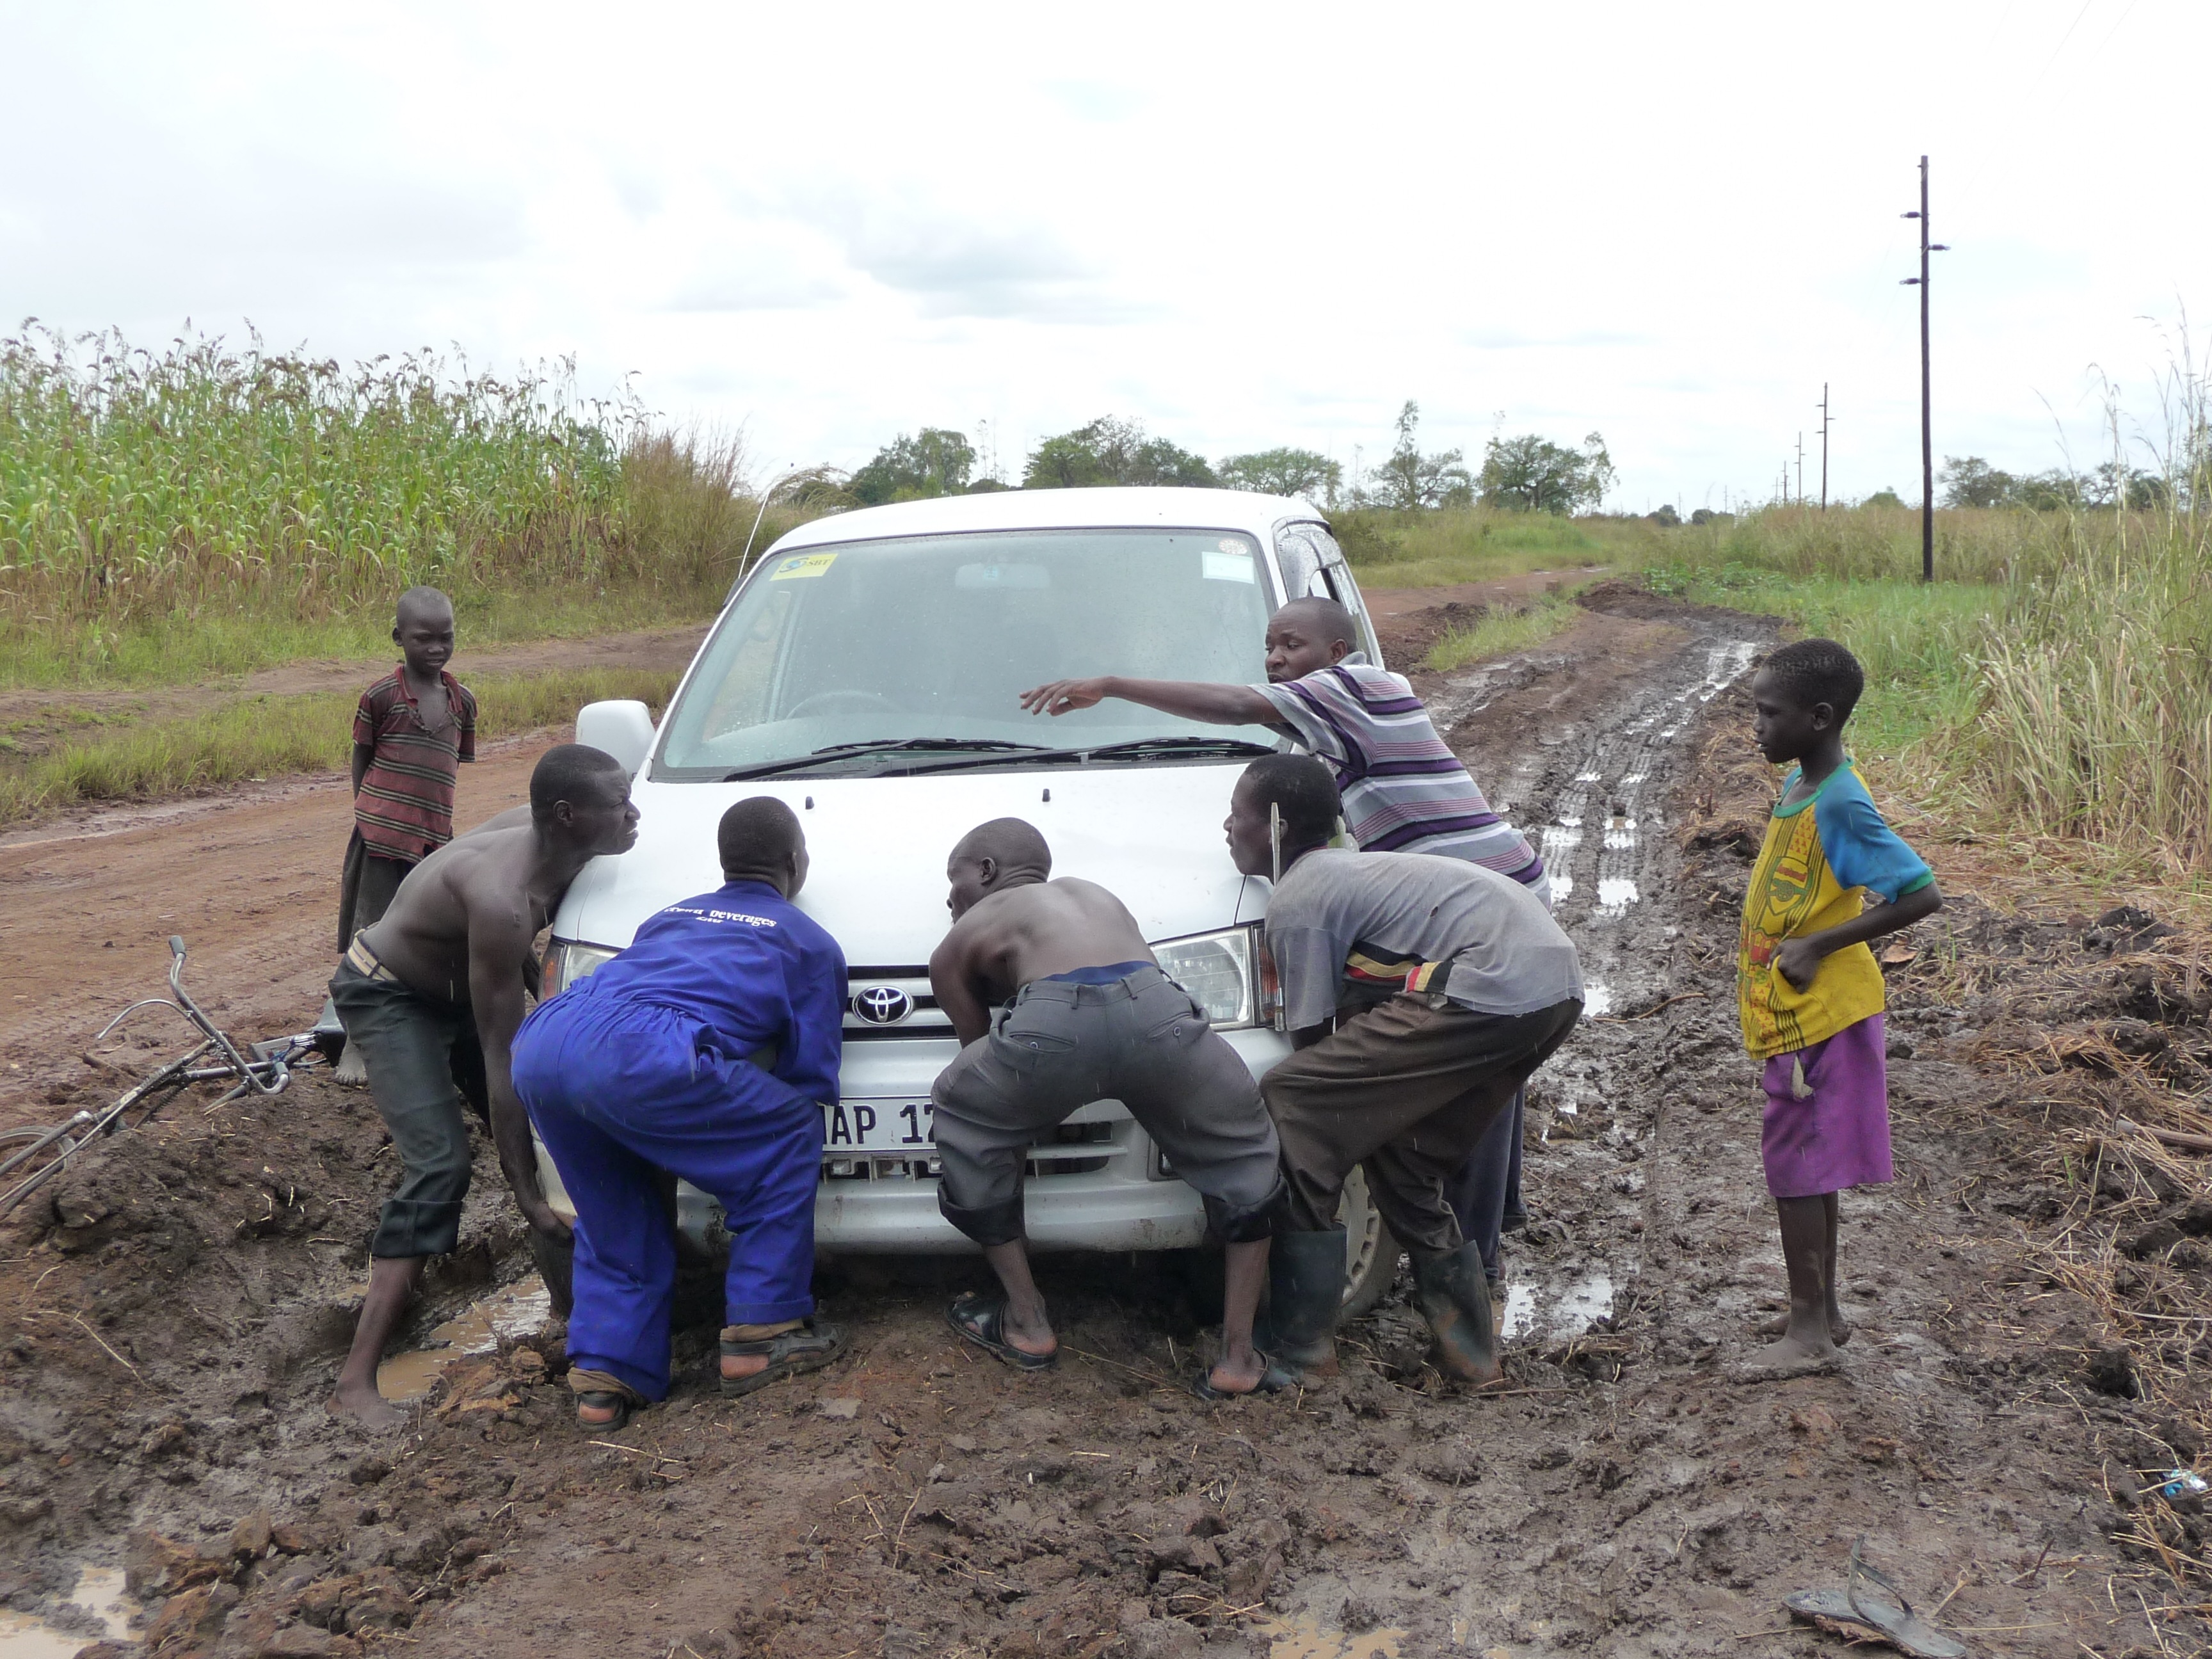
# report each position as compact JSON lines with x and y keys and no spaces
{"x":876,"y":1126}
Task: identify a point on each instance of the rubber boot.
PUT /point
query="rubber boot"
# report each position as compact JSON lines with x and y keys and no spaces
{"x":1305,"y":1288}
{"x":1453,"y":1294}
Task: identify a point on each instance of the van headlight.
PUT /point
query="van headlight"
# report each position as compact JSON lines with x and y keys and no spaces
{"x":567,"y":961}
{"x":1228,"y":972}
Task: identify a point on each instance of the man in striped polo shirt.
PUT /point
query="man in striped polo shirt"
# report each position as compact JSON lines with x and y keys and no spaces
{"x":1404,"y":792}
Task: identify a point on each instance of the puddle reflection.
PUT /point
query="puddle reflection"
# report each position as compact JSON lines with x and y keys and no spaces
{"x":515,"y":1310}
{"x":1306,"y":1637}
{"x":99,"y":1592}
{"x":1567,"y":1313}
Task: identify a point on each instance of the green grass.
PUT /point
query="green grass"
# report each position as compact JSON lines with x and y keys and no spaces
{"x":1919,"y":645}
{"x":1467,"y":545}
{"x":1499,"y":632}
{"x":206,"y":512}
{"x":250,"y":739}
{"x":2055,"y":680}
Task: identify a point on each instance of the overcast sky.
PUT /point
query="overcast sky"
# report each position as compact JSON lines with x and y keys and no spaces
{"x":1241,"y":226}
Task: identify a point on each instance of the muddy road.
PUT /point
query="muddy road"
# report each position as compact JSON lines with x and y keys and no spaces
{"x":177,"y":1310}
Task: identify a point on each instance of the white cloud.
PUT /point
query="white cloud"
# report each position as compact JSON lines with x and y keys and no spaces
{"x":1242,"y":225}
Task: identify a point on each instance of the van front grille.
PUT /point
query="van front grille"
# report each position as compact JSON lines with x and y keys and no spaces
{"x":891,"y":1002}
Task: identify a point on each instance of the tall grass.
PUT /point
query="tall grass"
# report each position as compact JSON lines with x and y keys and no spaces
{"x":2057,"y":677}
{"x":2098,"y":720}
{"x":250,"y":739}
{"x":271,"y":505}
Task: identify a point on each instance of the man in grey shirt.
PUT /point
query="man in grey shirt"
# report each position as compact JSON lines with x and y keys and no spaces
{"x":1483,"y":987}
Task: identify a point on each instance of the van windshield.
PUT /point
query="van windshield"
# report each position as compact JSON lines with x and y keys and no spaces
{"x":931,"y":640}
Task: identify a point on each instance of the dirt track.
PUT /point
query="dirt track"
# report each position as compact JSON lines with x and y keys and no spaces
{"x":182,"y":1300}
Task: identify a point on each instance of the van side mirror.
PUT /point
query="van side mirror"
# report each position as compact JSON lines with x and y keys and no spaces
{"x":623,"y":727}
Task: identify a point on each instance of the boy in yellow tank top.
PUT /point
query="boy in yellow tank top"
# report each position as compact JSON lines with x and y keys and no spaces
{"x":1811,"y":993}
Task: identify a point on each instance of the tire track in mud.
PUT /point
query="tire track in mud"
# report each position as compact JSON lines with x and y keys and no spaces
{"x":1593,"y":794}
{"x":917,"y":1499}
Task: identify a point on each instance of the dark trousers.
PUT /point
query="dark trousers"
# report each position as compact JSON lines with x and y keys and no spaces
{"x":1405,"y":1090}
{"x":1488,"y":1185}
{"x":422,"y":1058}
{"x":370,"y":882}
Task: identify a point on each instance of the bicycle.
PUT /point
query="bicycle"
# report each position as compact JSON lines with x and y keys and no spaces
{"x":262,"y":1068}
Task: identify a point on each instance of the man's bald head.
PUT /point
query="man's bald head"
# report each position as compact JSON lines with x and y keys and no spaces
{"x":760,"y":840}
{"x":1013,"y":844}
{"x":1307,"y":635}
{"x":1329,"y":621}
{"x":1004,"y":852}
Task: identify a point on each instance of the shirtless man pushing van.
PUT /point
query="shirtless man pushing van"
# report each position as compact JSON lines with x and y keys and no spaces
{"x":1087,"y":1015}
{"x":431,"y":995}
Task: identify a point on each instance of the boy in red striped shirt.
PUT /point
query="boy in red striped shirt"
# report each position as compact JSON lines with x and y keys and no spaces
{"x":412,"y":732}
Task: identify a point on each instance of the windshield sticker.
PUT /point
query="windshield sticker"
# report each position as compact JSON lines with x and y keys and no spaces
{"x":808,"y":564}
{"x":1233,"y":563}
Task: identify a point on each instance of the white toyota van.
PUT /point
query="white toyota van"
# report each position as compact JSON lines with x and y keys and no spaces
{"x":867,"y":671}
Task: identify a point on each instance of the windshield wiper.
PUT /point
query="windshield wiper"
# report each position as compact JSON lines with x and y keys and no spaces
{"x":1134,"y":749}
{"x":838,"y":751}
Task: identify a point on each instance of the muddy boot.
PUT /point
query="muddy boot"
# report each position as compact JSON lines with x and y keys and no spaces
{"x":1305,"y":1288}
{"x":1453,"y":1296}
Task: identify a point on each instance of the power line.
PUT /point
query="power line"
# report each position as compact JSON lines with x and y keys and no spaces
{"x":1927,"y":439}
{"x":1824,"y":445}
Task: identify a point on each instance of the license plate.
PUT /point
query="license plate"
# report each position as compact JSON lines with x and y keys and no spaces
{"x":876,"y":1126}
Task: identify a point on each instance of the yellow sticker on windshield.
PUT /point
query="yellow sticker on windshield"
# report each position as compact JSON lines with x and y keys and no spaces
{"x":801,"y":564}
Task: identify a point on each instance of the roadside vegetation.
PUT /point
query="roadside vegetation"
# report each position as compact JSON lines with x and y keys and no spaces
{"x":187,"y":517}
{"x":251,"y":739}
{"x":169,"y":517}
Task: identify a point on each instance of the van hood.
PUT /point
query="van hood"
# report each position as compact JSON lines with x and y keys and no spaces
{"x":1152,"y":835}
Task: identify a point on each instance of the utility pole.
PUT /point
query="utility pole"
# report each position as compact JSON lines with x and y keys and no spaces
{"x":1801,"y":469}
{"x":1824,"y":445}
{"x":1927,"y":440}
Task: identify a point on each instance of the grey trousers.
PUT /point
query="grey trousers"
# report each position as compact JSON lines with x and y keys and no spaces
{"x":1060,"y":1045}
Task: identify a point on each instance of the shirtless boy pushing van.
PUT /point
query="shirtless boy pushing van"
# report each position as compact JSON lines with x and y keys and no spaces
{"x":1087,"y":1015}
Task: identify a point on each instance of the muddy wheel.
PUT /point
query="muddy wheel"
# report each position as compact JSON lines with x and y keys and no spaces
{"x":556,"y":1266}
{"x":1370,"y":1253}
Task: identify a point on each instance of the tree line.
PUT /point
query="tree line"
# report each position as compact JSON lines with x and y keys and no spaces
{"x":1522,"y":473}
{"x":1970,"y":481}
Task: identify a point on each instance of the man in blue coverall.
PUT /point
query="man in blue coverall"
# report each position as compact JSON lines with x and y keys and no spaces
{"x":707,"y":1049}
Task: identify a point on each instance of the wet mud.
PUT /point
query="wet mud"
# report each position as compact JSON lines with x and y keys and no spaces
{"x":181,"y":1300}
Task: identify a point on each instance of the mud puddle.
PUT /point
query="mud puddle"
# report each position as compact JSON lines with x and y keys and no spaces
{"x":1534,"y":1308}
{"x":96,"y":1608}
{"x":1306,"y":1637}
{"x":513,"y":1311}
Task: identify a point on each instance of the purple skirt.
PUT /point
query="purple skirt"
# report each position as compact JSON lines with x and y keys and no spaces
{"x":1839,"y":1136}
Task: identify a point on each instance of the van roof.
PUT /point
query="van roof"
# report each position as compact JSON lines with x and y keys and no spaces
{"x":1056,"y":509}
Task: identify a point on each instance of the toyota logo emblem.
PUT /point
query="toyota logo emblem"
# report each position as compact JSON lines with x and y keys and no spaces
{"x":882,"y":1004}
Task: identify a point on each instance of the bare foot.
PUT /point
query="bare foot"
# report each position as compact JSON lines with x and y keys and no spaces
{"x":1795,"y":1355}
{"x":598,"y":1417}
{"x":1237,"y":1374}
{"x":737,"y":1365}
{"x":1840,"y":1328}
{"x":367,"y":1408}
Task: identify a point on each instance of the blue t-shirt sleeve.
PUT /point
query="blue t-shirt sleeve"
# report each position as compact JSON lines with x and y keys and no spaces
{"x":816,"y":990}
{"x":1861,"y":849}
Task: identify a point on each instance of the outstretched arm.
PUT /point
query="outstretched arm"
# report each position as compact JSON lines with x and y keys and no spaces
{"x":1194,"y":700}
{"x":1799,"y":959}
{"x":499,"y":939}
